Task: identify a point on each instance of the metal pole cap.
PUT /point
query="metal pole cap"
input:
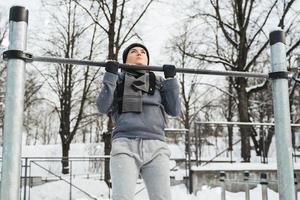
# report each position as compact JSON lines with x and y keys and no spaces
{"x":277,"y":36}
{"x":18,"y":13}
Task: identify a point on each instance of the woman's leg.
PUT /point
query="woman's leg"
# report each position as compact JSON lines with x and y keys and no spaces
{"x":156,"y":173}
{"x":124,"y":174}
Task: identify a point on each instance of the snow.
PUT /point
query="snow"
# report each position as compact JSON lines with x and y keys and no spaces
{"x":60,"y":190}
{"x":177,"y":151}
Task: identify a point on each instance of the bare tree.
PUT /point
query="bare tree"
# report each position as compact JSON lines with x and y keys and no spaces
{"x":189,"y":84}
{"x":235,"y":38}
{"x":72,"y":37}
{"x":31,"y":100}
{"x":3,"y":35}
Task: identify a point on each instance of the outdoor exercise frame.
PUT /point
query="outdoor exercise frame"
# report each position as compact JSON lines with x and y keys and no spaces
{"x":14,"y":102}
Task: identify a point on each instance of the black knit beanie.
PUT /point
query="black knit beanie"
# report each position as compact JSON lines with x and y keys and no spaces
{"x":126,"y":51}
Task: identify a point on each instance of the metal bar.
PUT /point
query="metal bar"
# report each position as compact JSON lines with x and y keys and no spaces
{"x":67,"y":61}
{"x":281,"y":109}
{"x":70,"y":184}
{"x":152,"y":68}
{"x":250,"y":181}
{"x":30,"y":182}
{"x":196,"y":144}
{"x":247,"y":191}
{"x":296,"y":184}
{"x":14,"y":103}
{"x":243,"y":123}
{"x":264,"y":186}
{"x":188,"y":152}
{"x":222,"y":180}
{"x":200,"y":144}
{"x":59,"y":158}
{"x":25,"y":178}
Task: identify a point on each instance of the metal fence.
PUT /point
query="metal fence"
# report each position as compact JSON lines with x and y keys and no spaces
{"x":46,"y":171}
{"x":38,"y":174}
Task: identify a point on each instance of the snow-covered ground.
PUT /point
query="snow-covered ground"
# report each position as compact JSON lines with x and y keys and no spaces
{"x":60,"y":191}
{"x":90,"y":187}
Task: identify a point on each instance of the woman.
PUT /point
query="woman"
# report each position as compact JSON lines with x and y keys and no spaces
{"x":138,"y":100}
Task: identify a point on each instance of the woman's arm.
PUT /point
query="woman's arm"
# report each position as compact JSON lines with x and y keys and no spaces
{"x":106,"y":95}
{"x":170,"y":97}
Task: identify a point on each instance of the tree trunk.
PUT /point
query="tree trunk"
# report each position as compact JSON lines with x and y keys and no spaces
{"x":244,"y":117}
{"x":84,"y":135}
{"x":229,"y":116}
{"x":112,"y":56}
{"x":187,"y":116}
{"x":65,"y":158}
{"x":268,"y":141}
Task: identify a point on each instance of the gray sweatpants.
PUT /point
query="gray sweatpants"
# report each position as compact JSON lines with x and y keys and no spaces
{"x":131,"y":157}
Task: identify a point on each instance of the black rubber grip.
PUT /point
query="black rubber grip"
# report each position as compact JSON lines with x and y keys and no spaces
{"x":18,"y":14}
{"x":277,"y":36}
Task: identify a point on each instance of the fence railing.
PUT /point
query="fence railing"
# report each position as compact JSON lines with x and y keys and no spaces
{"x":41,"y":174}
{"x":37,"y":171}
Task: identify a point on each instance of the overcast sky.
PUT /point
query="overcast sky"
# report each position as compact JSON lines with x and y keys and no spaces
{"x":156,"y":27}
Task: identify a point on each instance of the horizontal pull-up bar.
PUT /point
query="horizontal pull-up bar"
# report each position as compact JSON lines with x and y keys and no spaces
{"x":152,"y":68}
{"x":240,"y":123}
{"x":30,"y":58}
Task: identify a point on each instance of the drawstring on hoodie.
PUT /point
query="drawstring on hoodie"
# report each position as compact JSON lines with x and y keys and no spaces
{"x":141,"y":148}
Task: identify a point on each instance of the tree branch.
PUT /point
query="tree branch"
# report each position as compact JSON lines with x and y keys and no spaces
{"x":263,"y":24}
{"x":136,"y":21}
{"x":92,"y":17}
{"x":256,"y":56}
{"x":229,"y":39}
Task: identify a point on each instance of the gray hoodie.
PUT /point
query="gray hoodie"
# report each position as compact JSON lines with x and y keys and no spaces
{"x":150,"y":123}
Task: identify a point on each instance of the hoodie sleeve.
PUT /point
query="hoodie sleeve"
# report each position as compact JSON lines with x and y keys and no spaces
{"x":170,"y":97}
{"x":106,"y":96}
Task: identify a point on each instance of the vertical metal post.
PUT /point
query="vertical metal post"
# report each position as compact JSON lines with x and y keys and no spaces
{"x":222,"y":180}
{"x":14,"y":100}
{"x":246,"y":179}
{"x":25,"y":178}
{"x":70,"y":196}
{"x":230,"y":148}
{"x":296,"y":183}
{"x":264,"y":184}
{"x":186,"y":167}
{"x":188,"y":149}
{"x":200,"y":142}
{"x":196,"y":144}
{"x":30,"y":180}
{"x":282,"y":117}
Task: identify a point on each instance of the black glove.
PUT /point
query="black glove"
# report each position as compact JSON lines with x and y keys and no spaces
{"x":169,"y":71}
{"x":112,"y":66}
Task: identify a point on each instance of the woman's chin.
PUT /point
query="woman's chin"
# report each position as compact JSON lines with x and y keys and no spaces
{"x":136,"y":63}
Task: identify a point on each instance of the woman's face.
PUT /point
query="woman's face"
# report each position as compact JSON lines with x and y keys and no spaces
{"x":137,"y":56}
